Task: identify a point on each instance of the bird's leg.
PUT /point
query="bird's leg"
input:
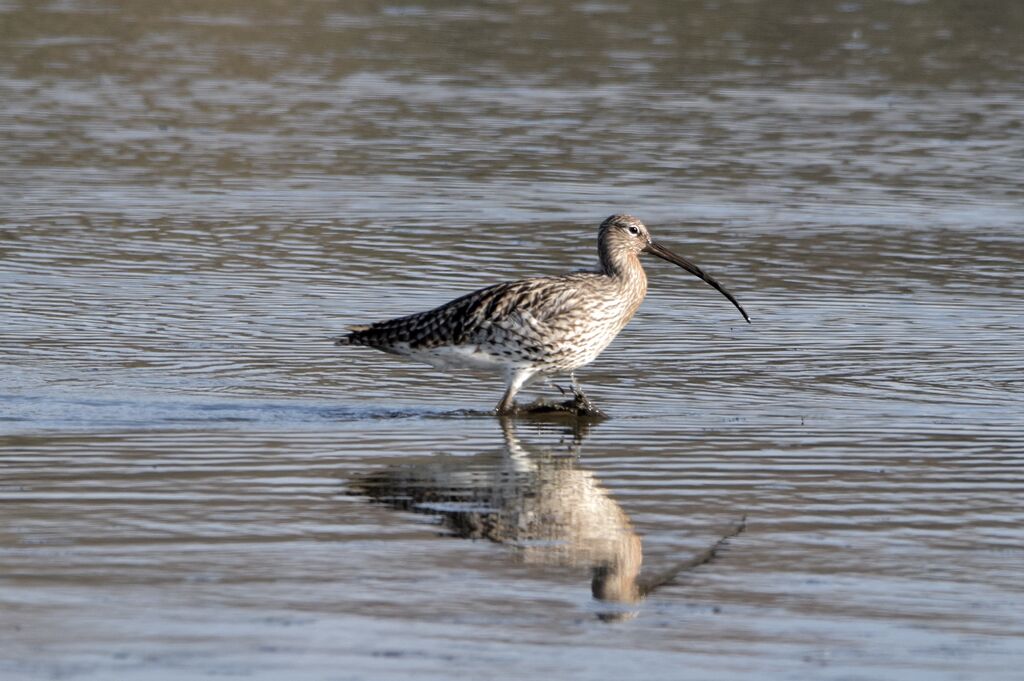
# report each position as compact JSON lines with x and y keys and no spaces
{"x":576,"y":390}
{"x":507,"y":404}
{"x":581,"y":402}
{"x":551,"y":384}
{"x":516,"y":381}
{"x":562,"y":390}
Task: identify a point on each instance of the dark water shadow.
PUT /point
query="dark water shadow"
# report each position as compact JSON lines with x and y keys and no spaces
{"x":50,"y":411}
{"x":541,"y":502}
{"x":131,"y":410}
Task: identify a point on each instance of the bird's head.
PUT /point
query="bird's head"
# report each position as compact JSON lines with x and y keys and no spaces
{"x":624,"y":234}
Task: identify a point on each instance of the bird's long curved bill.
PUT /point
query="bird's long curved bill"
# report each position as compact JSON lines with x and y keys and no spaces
{"x":665,"y":254}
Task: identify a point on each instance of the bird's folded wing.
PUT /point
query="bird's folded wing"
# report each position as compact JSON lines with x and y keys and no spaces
{"x":523,"y":306}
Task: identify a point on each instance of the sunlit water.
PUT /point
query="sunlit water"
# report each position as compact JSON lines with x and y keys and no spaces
{"x":194,"y":482}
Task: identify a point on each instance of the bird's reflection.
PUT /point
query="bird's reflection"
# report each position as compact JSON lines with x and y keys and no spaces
{"x":540,"y":501}
{"x":544,"y":504}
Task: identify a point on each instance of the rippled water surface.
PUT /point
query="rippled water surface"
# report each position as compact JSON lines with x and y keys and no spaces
{"x":194,"y":482}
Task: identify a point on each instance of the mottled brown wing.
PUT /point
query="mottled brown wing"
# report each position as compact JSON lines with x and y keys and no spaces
{"x":473,"y":318}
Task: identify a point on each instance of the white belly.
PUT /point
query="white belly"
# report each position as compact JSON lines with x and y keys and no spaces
{"x":447,"y":357}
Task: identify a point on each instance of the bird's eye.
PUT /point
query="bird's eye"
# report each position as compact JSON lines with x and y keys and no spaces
{"x":634,"y":230}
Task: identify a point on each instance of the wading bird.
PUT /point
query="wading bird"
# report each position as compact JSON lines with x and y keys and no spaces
{"x":535,"y":328}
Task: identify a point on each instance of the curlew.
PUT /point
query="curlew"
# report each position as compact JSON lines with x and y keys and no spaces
{"x":539,"y":327}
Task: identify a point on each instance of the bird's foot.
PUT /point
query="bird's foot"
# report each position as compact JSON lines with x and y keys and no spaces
{"x":579,"y":406}
{"x":583,"y":406}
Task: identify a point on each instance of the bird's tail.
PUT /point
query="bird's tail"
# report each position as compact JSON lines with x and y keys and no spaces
{"x":349,"y":338}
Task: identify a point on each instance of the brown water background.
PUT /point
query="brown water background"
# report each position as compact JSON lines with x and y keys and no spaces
{"x":194,"y":196}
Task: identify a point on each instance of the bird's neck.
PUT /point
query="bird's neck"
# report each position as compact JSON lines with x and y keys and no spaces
{"x":624,"y":269}
{"x":616,"y":262}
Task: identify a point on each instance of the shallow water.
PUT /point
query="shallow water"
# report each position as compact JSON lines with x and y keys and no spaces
{"x":195,"y":482}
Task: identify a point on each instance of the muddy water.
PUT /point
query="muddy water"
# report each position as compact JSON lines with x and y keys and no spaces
{"x":193,"y":482}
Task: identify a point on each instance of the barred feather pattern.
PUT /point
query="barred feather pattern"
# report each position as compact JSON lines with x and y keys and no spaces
{"x":554,"y":323}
